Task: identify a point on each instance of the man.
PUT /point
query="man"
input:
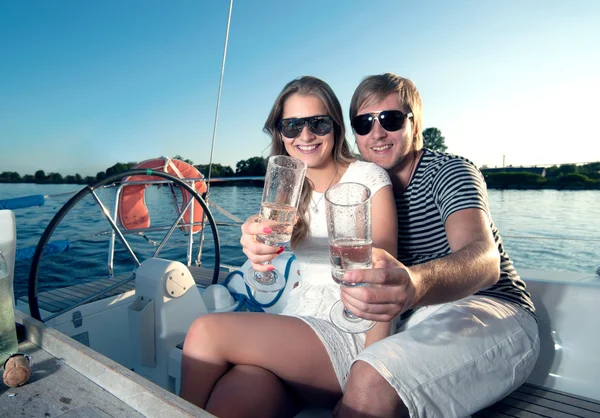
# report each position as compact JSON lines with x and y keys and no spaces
{"x":467,"y":334}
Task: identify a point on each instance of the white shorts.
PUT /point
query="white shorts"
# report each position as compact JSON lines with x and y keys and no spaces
{"x":448,"y":360}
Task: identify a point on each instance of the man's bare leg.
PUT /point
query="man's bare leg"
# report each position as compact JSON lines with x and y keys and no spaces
{"x":368,"y":395}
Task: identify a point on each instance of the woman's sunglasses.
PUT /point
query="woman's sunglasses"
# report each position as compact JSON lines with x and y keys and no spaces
{"x":390,"y":120}
{"x":318,"y":125}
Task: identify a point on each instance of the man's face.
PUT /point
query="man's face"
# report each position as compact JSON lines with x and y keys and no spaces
{"x":384,"y":148}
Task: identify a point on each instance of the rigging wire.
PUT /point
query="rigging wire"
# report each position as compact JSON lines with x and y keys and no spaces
{"x":214,"y":136}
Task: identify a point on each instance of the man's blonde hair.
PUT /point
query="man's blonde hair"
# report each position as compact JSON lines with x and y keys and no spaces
{"x":376,"y":88}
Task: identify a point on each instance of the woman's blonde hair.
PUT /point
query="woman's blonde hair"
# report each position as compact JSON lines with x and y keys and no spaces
{"x":376,"y":88}
{"x":308,"y":86}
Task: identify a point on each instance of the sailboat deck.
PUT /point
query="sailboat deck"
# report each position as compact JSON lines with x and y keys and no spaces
{"x":530,"y":401}
{"x":55,"y":389}
{"x":71,"y":380}
{"x":58,"y":299}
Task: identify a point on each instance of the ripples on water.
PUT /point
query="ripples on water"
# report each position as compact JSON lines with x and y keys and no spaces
{"x":548,"y":214}
{"x":551,"y":215}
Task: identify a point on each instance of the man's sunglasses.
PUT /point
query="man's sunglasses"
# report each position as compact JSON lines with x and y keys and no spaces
{"x":318,"y":125}
{"x":390,"y":120}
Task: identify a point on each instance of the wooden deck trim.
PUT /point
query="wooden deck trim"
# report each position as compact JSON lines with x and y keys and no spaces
{"x":530,"y":401}
{"x":137,"y":392}
{"x":71,"y":292}
{"x":203,"y":276}
{"x":583,"y":403}
{"x":505,"y":412}
{"x":56,"y":300}
{"x":544,"y":404}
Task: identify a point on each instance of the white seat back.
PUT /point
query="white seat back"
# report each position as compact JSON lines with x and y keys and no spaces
{"x":568,"y":313}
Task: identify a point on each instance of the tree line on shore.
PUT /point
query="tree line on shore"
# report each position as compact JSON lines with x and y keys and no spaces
{"x":565,"y":176}
{"x":255,"y":166}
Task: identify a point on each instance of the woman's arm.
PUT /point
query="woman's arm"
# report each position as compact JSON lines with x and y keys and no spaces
{"x":385,"y":235}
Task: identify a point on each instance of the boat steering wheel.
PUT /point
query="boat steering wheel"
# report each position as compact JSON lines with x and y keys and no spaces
{"x":32,"y":289}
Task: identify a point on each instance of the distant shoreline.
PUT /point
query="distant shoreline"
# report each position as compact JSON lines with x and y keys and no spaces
{"x":229,"y":183}
{"x":251,"y":173}
{"x":564,"y":177}
{"x":217,"y":182}
{"x":260,"y":183}
{"x":543,"y":187}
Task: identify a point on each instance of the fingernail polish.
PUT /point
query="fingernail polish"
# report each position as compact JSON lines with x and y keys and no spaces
{"x":280,"y":250}
{"x":267,"y":230}
{"x":271,"y":268}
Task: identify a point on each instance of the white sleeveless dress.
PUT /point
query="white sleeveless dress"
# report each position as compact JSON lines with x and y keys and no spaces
{"x":312,"y":299}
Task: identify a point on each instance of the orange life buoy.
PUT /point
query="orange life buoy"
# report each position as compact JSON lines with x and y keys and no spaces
{"x":132,"y":211}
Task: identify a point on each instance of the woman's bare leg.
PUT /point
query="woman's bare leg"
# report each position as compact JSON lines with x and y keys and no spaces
{"x":257,"y":393}
{"x":285,"y":346}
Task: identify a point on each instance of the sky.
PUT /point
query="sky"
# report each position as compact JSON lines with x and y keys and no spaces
{"x":87,"y":84}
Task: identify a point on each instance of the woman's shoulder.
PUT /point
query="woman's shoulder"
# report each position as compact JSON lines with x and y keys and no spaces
{"x":360,"y":165}
{"x":367,"y":173}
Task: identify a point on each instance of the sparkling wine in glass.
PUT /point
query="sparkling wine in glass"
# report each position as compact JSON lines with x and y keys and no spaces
{"x":283,"y":185}
{"x":348,"y":212}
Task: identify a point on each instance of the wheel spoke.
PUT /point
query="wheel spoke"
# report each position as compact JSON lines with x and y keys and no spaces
{"x":170,"y":231}
{"x":115,"y":228}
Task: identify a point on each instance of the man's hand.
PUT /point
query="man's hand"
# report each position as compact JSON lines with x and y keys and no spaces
{"x":388,"y":290}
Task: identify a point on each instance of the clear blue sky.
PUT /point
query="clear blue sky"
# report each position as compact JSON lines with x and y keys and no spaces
{"x":85,"y":84}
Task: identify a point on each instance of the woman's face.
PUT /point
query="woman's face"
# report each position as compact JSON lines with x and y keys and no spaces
{"x":315,"y":149}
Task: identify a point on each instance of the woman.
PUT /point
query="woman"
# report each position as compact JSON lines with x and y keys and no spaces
{"x":257,"y":364}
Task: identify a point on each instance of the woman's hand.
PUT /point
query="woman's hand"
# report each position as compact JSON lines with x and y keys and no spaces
{"x":380,"y":331}
{"x":255,"y":251}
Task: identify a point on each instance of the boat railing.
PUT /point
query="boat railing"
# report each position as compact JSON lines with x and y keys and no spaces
{"x":179,"y":222}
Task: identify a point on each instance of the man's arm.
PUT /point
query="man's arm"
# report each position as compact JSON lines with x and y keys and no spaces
{"x":384,"y":227}
{"x":473,"y":264}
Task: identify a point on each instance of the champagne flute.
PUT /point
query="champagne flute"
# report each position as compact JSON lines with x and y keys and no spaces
{"x":283,"y":185}
{"x":348,"y":212}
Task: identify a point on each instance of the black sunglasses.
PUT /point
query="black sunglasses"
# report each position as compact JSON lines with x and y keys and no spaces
{"x":390,"y":120}
{"x":318,"y":125}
